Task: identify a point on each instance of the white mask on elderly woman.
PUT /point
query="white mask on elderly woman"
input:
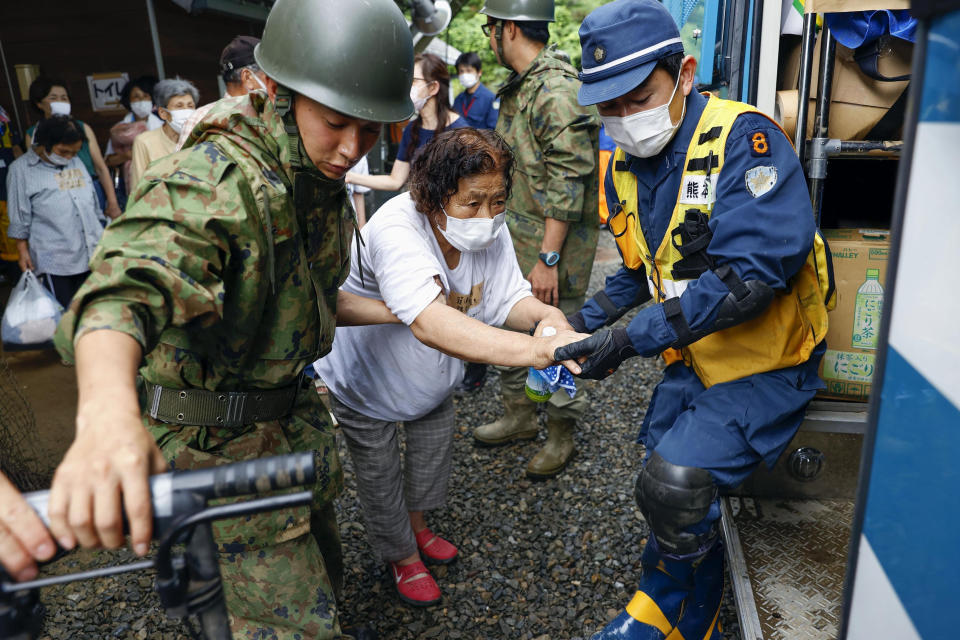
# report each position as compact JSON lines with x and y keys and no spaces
{"x":471,"y":234}
{"x":179,"y":117}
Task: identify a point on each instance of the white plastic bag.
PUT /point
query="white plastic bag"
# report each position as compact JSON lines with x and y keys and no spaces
{"x":31,"y":316}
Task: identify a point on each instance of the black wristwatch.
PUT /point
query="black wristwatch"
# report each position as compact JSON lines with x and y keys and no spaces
{"x":550,"y":258}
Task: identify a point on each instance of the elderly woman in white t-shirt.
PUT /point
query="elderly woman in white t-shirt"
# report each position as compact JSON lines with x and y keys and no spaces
{"x":442,"y":260}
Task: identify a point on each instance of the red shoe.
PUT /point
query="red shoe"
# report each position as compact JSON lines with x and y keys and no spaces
{"x":434,"y":548}
{"x":415,"y":585}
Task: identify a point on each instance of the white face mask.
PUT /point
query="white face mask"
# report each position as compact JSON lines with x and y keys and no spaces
{"x":472,"y":234}
{"x":141,"y":108}
{"x":59,"y":161}
{"x":418,"y":102}
{"x":260,"y":82}
{"x":468,"y":80}
{"x":59,"y":108}
{"x":646,"y":133}
{"x":179,"y":117}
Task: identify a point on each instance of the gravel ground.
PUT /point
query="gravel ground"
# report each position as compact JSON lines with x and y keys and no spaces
{"x":545,"y":560}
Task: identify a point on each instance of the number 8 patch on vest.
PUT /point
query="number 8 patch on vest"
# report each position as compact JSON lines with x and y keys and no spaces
{"x":759,"y":145}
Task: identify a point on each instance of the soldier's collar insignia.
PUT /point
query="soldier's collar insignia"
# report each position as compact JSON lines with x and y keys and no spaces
{"x":599,"y":53}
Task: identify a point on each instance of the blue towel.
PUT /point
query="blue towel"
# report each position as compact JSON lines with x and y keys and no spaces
{"x":557,"y":377}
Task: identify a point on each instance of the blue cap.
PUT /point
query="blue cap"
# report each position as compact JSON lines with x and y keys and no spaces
{"x":621,"y":44}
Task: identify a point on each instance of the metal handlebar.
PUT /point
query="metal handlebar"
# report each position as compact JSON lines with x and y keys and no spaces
{"x":172,"y":492}
{"x":187,"y":583}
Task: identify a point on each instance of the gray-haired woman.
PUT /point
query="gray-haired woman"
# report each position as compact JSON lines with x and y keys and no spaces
{"x":176,"y":100}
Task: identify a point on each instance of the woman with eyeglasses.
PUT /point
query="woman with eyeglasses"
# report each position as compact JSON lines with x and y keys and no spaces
{"x":431,"y":98}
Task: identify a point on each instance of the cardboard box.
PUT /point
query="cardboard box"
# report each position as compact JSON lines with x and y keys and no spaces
{"x":857,"y":101}
{"x":860,"y":269}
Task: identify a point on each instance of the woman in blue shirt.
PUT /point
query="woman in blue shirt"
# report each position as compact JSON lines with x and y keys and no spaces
{"x":430,"y":94}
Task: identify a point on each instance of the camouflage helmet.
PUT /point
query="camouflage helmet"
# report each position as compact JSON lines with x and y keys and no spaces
{"x":527,"y":10}
{"x":354,"y":57}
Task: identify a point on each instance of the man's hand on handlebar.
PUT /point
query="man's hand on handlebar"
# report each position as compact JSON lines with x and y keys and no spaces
{"x":188,"y":580}
{"x":109,"y":463}
{"x":23,"y":538}
{"x":107,"y":467}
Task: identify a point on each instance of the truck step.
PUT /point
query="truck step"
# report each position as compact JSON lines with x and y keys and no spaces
{"x":787,"y":561}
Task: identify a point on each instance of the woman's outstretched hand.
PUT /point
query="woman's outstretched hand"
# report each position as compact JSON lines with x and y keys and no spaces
{"x":546,"y":346}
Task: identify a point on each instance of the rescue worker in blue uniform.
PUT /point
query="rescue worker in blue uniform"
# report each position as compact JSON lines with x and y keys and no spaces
{"x":709,"y":207}
{"x":476,"y":103}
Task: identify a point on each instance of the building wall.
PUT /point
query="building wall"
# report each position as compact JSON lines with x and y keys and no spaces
{"x":71,"y":39}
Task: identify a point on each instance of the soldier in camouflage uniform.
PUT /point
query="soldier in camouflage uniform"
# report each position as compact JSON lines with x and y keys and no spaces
{"x":217,"y":286}
{"x":552,"y":212}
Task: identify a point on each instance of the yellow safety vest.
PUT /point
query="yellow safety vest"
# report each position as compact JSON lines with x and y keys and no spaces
{"x":795,"y":322}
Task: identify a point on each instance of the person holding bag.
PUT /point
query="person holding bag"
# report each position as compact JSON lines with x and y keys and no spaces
{"x":53,"y":210}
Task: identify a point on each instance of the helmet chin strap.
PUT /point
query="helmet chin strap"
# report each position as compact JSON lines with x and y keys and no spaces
{"x":283,"y":103}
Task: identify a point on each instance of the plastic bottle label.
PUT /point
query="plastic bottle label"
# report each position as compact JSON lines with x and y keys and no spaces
{"x":538,"y":389}
{"x":866,"y":313}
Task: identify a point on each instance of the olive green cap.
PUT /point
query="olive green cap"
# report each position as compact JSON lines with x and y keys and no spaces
{"x":529,"y":10}
{"x":354,"y":57}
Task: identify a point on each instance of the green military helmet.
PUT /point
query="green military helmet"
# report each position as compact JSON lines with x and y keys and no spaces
{"x":530,"y":10}
{"x":354,"y":57}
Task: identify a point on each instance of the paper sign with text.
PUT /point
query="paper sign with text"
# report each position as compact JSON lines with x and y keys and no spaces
{"x":105,"y":90}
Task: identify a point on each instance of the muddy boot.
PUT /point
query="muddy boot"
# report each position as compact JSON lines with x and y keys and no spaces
{"x":519,"y":422}
{"x":557,"y":451}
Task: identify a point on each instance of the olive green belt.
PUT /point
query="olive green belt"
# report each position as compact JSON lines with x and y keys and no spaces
{"x":219,"y":408}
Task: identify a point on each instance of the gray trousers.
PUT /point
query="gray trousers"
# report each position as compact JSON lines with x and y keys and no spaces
{"x":389,"y":489}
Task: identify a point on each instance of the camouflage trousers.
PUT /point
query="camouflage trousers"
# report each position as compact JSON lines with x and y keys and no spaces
{"x":560,"y":406}
{"x":282,"y":571}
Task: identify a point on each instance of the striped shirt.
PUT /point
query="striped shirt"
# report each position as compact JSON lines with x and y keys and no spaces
{"x":55,"y":208}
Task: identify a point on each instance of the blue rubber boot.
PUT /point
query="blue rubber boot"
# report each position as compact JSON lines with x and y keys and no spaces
{"x":700,"y":619}
{"x":658,"y":604}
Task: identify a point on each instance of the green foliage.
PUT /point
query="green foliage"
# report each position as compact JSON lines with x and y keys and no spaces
{"x":464,"y":33}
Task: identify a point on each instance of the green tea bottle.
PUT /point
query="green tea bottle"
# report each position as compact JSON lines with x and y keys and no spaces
{"x":866,"y":312}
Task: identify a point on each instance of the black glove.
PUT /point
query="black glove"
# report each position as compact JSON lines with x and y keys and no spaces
{"x":605,"y":350}
{"x":578,"y":323}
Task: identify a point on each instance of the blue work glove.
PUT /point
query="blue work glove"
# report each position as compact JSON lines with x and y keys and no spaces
{"x":577,"y":322}
{"x":605,"y":350}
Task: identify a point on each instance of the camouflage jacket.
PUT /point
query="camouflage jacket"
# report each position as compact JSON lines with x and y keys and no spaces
{"x":225,"y":281}
{"x":555,"y":143}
